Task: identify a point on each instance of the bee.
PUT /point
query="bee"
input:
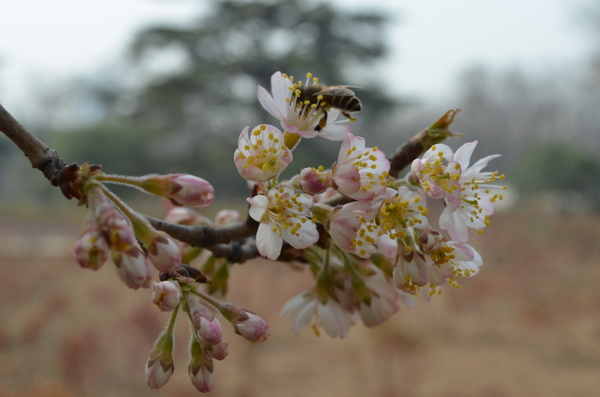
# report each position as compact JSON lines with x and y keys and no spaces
{"x":332,"y":96}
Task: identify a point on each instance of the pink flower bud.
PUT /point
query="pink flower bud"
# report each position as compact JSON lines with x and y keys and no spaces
{"x":166,"y":295}
{"x":314,"y":181}
{"x":245,"y":323}
{"x":191,"y":191}
{"x":184,"y":216}
{"x":218,"y":351}
{"x":133,"y":268}
{"x":254,"y":328}
{"x":226,"y":217}
{"x":180,"y":189}
{"x":159,"y":367}
{"x":207,"y":327}
{"x":116,"y":227}
{"x":201,"y":368}
{"x":158,"y":373}
{"x":164,"y":253}
{"x":91,"y":250}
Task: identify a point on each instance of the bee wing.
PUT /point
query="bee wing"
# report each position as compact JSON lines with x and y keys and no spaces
{"x":336,"y":90}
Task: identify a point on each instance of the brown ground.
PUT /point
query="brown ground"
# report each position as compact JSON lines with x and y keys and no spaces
{"x":528,"y":325}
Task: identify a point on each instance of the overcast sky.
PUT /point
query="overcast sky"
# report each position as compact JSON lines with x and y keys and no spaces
{"x":432,"y":40}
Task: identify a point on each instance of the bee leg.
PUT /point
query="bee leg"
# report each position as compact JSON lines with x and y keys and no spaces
{"x":348,"y":116}
{"x":322,"y":122}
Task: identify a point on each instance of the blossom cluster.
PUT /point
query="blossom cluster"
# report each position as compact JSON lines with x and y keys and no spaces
{"x":377,"y":245}
{"x":367,"y":236}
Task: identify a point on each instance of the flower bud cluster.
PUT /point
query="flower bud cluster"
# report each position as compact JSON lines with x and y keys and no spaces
{"x":112,"y":230}
{"x":206,"y":341}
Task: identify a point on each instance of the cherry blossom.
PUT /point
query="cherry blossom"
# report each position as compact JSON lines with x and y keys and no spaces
{"x":282,"y":216}
{"x":403,"y":209}
{"x":351,"y":232}
{"x":261,"y":154}
{"x":327,"y":314}
{"x":296,"y":117}
{"x":360,"y":173}
{"x":470,"y":206}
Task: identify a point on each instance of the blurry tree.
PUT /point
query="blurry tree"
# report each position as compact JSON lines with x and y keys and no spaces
{"x":190,"y":89}
{"x":560,"y":167}
{"x":238,"y":44}
{"x":515,"y":111}
{"x":129,"y":147}
{"x":201,"y":88}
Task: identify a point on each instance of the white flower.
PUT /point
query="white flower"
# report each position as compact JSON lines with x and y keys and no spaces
{"x":402,"y":209}
{"x":261,"y":154}
{"x":430,"y":260}
{"x":467,"y":260}
{"x":351,"y":232}
{"x":360,"y":173}
{"x":299,"y":118}
{"x":431,"y":171}
{"x":331,"y":316}
{"x":282,"y":216}
{"x":469,"y":206}
{"x":383,"y":302}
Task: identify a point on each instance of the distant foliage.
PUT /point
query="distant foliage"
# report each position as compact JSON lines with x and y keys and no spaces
{"x":555,"y":167}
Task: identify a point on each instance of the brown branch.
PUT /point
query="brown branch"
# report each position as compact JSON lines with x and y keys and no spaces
{"x":205,"y":236}
{"x":40,"y":156}
{"x":236,"y":251}
{"x":232,"y":242}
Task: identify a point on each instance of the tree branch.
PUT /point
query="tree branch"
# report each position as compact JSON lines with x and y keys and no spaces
{"x":205,"y":236}
{"x":40,"y":156}
{"x":234,"y":242}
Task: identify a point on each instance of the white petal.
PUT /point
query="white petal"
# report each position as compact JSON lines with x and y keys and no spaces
{"x":303,"y":316}
{"x":335,"y":132}
{"x":334,"y":319}
{"x":307,"y":236}
{"x":268,"y":103}
{"x":279,"y":88}
{"x":268,"y":241}
{"x":480,"y":164}
{"x":454,"y":224}
{"x":432,"y":155}
{"x":463,"y":154}
{"x":293,"y":304}
{"x":379,"y":311}
{"x":258,"y":206}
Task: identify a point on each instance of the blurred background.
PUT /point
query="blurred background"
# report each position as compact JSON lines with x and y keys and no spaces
{"x":144,"y":86}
